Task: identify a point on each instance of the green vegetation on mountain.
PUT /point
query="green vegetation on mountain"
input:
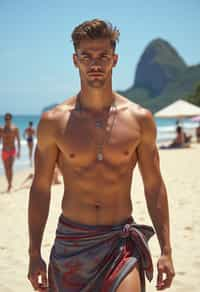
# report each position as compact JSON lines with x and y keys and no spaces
{"x":195,"y":98}
{"x":162,"y":77}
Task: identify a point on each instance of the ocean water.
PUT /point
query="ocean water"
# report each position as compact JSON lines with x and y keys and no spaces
{"x":165,"y":132}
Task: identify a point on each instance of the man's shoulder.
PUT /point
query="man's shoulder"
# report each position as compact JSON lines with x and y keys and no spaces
{"x":14,"y":128}
{"x":136,"y":109}
{"x":57,"y":112}
{"x":53,"y":119}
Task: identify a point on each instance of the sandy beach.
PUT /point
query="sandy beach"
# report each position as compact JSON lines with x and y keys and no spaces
{"x":180,"y":170}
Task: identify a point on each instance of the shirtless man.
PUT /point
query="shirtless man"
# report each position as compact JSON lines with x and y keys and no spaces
{"x":97,"y":137}
{"x":9,"y":134}
{"x":29,"y":134}
{"x":179,"y":141}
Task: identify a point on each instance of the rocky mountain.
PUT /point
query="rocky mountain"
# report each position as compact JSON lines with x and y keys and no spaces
{"x":162,"y":76}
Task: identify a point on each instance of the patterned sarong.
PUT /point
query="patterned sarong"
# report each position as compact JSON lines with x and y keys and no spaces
{"x":97,"y":258}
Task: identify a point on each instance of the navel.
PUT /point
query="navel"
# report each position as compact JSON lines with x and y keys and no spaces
{"x":126,"y":152}
{"x":97,"y":206}
{"x":72,"y":155}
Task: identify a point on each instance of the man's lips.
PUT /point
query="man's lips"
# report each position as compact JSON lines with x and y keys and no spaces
{"x":95,"y":74}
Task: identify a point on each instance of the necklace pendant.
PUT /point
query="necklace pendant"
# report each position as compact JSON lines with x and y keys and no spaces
{"x":99,"y":156}
{"x":98,"y":124}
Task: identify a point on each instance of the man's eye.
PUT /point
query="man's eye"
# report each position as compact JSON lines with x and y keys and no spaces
{"x":85,"y":57}
{"x":105,"y":57}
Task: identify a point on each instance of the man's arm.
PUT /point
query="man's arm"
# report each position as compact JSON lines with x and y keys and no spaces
{"x":0,"y":134}
{"x":156,"y":196}
{"x":34,"y":132}
{"x":39,"y":201}
{"x":17,"y":135}
{"x":24,"y":134}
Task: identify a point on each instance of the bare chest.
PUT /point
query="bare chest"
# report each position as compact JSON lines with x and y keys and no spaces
{"x":85,"y":140}
{"x":30,"y":132}
{"x":8,"y":135}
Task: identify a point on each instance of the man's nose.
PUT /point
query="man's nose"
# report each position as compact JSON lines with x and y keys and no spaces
{"x":95,"y":67}
{"x":95,"y":63}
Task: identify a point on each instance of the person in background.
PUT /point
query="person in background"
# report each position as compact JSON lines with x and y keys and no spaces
{"x":198,"y":133}
{"x":27,"y":182}
{"x":9,"y":134}
{"x":29,"y":134}
{"x":187,"y":138}
{"x":56,"y":180}
{"x":179,"y":139}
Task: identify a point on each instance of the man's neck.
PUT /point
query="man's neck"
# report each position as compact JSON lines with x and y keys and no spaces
{"x":96,"y":100}
{"x":8,"y":126}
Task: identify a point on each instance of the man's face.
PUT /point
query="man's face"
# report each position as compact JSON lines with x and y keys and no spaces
{"x":95,"y":60}
{"x":8,"y":120}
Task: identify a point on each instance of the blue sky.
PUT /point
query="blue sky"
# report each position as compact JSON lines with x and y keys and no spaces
{"x":36,"y":66}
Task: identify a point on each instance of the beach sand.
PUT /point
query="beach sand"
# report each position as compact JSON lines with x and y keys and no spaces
{"x":180,"y":170}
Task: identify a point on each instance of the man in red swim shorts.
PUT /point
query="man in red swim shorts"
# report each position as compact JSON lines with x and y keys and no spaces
{"x":9,"y":134}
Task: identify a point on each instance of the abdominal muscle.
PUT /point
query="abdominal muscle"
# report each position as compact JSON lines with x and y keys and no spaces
{"x":97,"y":207}
{"x":96,"y":214}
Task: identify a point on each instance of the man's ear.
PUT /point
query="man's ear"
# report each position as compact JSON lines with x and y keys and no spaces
{"x":75,"y":60}
{"x":115,"y":60}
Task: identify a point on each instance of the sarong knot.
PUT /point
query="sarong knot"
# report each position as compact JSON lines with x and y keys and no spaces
{"x":126,"y":231}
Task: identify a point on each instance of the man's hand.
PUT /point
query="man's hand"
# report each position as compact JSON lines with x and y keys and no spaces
{"x":37,"y":274}
{"x":165,"y":272}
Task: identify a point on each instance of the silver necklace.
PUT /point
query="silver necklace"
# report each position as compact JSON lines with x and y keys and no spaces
{"x":100,"y":124}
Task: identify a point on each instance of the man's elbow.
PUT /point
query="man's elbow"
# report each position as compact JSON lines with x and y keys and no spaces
{"x":155,"y":189}
{"x":155,"y":193}
{"x":40,"y":190}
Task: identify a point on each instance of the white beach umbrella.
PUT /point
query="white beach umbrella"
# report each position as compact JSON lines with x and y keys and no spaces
{"x":179,"y":109}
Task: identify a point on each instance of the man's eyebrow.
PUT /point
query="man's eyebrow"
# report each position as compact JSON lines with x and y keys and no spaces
{"x":87,"y":52}
{"x":83,"y":52}
{"x":105,"y":52}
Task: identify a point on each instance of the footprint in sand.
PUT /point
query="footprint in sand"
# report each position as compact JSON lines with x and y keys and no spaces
{"x":188,"y":228}
{"x":181,"y":273}
{"x":3,"y":248}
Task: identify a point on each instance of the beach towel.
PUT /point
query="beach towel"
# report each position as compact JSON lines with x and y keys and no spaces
{"x":97,"y":258}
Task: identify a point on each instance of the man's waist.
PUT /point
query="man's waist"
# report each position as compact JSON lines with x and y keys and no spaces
{"x":96,"y":214}
{"x":8,"y":148}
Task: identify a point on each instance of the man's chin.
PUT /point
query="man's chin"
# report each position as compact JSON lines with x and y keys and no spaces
{"x":98,"y":83}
